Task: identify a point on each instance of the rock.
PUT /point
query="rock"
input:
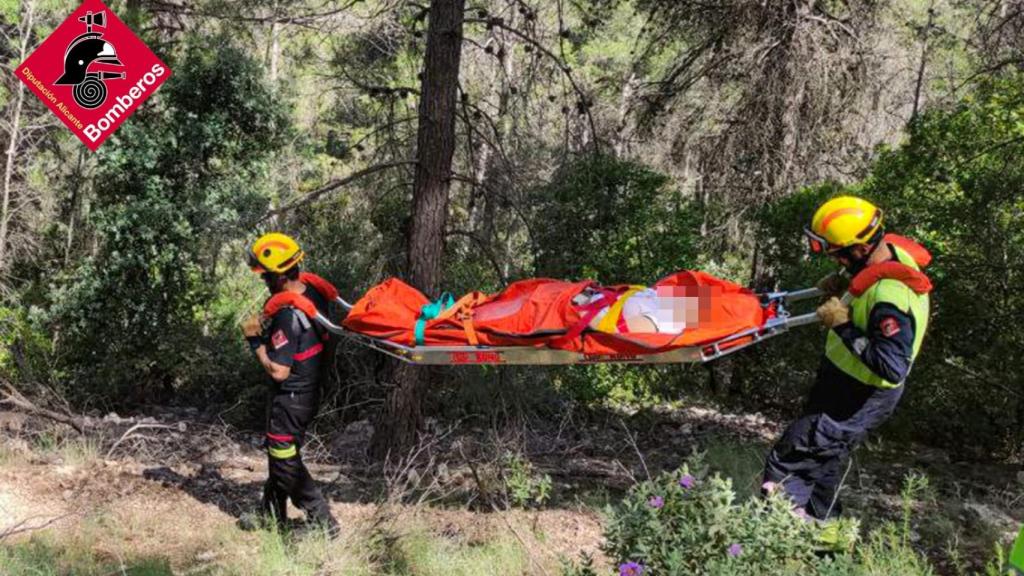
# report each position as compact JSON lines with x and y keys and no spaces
{"x":16,"y":445}
{"x":12,"y":421}
{"x":206,"y":557}
{"x":989,"y":516}
{"x":182,"y":427}
{"x":359,"y":428}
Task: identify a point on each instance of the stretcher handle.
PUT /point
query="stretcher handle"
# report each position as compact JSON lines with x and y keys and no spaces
{"x":805,"y":294}
{"x":803,"y":320}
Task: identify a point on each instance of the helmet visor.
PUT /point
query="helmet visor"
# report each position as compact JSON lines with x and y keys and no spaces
{"x":254,"y":263}
{"x":816,"y":243}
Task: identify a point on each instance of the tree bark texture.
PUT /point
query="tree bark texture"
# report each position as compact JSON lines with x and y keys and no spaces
{"x":402,"y":414}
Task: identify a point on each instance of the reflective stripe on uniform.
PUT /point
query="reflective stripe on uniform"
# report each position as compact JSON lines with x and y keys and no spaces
{"x":891,"y":292}
{"x":308,"y":352}
{"x":288,"y":451}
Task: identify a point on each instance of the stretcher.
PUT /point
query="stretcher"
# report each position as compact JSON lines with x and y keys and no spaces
{"x":426,"y":344}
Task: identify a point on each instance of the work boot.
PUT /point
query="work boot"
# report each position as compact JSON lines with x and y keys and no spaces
{"x":328,"y":527}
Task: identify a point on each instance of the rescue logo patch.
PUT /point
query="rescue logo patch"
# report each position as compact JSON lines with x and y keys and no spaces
{"x":278,"y":339}
{"x":890,"y":327}
{"x":92,"y":72}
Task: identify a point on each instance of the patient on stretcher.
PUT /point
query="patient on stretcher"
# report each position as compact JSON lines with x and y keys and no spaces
{"x":643,"y":310}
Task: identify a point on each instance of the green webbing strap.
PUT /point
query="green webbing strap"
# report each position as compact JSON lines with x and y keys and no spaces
{"x":1017,"y":554}
{"x":429,"y":312}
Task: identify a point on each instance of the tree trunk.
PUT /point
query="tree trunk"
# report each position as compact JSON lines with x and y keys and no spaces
{"x":12,"y":147}
{"x":402,"y":414}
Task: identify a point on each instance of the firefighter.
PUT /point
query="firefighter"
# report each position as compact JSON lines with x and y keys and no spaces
{"x":291,"y":350}
{"x":871,"y":346}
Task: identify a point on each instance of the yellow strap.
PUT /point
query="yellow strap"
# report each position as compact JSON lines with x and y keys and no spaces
{"x":610,"y":323}
{"x":283,"y":453}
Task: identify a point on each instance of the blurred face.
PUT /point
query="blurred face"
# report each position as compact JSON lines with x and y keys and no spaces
{"x":850,"y":259}
{"x":685,"y":306}
{"x":275,"y":282}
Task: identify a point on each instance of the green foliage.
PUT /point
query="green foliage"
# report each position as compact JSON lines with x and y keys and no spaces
{"x":611,"y":220}
{"x":525,"y":486}
{"x":954,"y":185}
{"x":26,"y":351}
{"x":692,"y":532}
{"x":179,"y":179}
{"x":698,"y":527}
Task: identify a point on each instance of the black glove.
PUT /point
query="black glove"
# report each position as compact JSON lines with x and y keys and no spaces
{"x":254,"y":342}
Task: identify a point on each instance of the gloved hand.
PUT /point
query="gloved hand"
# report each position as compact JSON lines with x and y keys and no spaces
{"x":253,"y":332}
{"x":835,"y":284}
{"x":834,"y":313}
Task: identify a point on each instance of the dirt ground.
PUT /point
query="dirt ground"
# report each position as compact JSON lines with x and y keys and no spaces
{"x":163,"y":484}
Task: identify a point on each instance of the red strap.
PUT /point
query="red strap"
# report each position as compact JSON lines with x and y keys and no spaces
{"x":622,"y":326}
{"x":588,"y":311}
{"x":325,"y":288}
{"x":308,"y":352}
{"x":280,"y":437}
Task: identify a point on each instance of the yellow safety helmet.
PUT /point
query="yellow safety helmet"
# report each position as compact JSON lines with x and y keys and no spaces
{"x":274,"y":252}
{"x":843,"y":222}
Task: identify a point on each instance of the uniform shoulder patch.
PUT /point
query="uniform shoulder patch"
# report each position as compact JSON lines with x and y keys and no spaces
{"x":889,"y":327}
{"x":279,"y":339}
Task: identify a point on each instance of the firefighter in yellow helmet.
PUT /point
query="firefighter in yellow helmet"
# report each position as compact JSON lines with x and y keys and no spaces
{"x":875,"y":332}
{"x":290,"y":349}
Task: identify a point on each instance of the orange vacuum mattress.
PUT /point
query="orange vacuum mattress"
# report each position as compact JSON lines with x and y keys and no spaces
{"x":550,"y":313}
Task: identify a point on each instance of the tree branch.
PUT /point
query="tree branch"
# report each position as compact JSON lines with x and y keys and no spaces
{"x":310,"y":197}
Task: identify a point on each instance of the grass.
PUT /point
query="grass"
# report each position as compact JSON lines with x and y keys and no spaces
{"x":420,"y":553}
{"x":69,"y":449}
{"x":106,"y":544}
{"x":49,"y":554}
{"x":741,"y":461}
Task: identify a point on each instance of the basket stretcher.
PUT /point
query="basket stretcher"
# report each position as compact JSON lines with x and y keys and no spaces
{"x":778,"y":322}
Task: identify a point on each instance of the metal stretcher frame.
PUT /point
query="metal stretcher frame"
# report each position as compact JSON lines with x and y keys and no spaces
{"x":539,"y":356}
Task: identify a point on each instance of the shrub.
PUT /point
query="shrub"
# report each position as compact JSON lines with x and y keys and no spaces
{"x":523,"y":484}
{"x":689,"y":522}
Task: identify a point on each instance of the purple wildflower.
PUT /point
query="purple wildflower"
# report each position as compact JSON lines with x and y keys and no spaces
{"x":687,"y":481}
{"x":656,"y":502}
{"x":631,"y":569}
{"x":735,"y":550}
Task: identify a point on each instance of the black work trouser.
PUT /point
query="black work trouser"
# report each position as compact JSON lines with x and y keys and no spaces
{"x":290,"y":413}
{"x":808,"y":460}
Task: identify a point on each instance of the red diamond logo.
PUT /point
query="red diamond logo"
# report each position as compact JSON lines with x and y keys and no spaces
{"x":93,"y":72}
